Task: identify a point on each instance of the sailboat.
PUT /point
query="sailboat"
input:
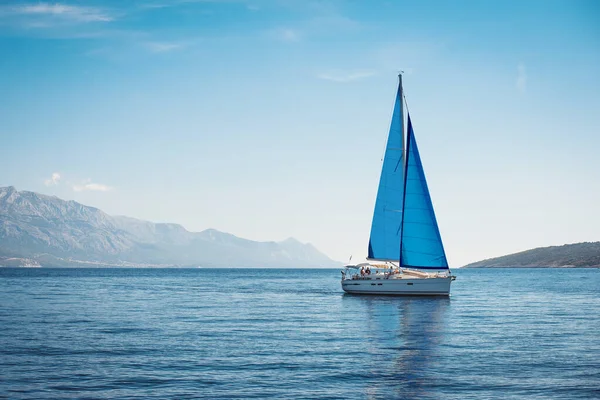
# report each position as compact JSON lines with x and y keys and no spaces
{"x":406,"y":254}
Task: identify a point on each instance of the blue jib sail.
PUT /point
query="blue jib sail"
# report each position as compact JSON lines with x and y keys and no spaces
{"x":421,"y":241}
{"x":384,"y":243}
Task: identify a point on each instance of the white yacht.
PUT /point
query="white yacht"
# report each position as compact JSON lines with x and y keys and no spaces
{"x":406,"y":254}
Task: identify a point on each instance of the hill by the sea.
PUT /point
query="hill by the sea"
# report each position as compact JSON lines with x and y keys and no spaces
{"x":36,"y":230}
{"x":578,"y":255}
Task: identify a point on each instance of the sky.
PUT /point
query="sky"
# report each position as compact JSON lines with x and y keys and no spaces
{"x":268,"y":119}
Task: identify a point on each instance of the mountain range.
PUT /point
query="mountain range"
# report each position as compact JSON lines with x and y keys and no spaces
{"x":36,"y":229}
{"x":577,"y":255}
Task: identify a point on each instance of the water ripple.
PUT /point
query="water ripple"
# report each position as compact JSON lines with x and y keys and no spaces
{"x":197,"y":333}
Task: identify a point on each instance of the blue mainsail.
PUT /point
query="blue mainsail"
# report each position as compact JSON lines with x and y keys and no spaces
{"x":384,"y":243}
{"x":421,"y":243}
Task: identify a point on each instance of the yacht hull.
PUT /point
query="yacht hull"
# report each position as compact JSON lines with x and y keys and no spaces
{"x":439,"y":286}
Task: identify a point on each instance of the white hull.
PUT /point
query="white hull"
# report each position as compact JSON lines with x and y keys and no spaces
{"x":434,"y":286}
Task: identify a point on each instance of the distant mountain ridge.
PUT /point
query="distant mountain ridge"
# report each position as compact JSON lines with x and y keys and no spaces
{"x":46,"y":230}
{"x":577,"y":255}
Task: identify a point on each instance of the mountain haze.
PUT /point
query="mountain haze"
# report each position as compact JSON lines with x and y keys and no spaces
{"x":578,"y":255}
{"x":54,"y":232}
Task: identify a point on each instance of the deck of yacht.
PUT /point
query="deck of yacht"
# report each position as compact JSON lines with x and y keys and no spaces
{"x":405,"y":274}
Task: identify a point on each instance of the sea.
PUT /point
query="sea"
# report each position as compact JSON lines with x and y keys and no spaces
{"x":294,"y":334}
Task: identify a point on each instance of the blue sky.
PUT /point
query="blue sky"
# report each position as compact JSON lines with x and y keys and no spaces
{"x":268,"y":119}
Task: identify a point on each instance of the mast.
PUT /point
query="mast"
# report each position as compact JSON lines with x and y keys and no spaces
{"x":401,"y":91}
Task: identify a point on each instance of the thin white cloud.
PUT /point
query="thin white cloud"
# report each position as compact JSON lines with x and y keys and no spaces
{"x":163,"y":47}
{"x":342,"y":77}
{"x":150,"y":6}
{"x":178,"y":3}
{"x":521,"y":78}
{"x":87,"y":185}
{"x":53,"y":180}
{"x":62,"y":11}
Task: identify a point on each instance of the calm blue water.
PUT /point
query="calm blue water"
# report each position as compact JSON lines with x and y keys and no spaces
{"x":197,"y":333}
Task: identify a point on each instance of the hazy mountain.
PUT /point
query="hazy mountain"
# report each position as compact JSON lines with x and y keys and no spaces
{"x":581,"y":255}
{"x":53,"y":232}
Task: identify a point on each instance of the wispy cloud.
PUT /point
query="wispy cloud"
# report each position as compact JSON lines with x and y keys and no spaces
{"x":127,"y":46}
{"x":179,"y":3}
{"x":87,"y":185}
{"x":345,"y":76}
{"x":53,"y":180}
{"x":149,"y":6}
{"x":521,"y":78}
{"x":163,"y":47}
{"x":63,"y":12}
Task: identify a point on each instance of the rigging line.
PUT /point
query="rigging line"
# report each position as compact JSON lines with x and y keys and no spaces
{"x":383,"y":151}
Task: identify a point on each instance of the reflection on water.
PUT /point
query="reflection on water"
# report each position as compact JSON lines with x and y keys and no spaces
{"x":407,"y":333}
